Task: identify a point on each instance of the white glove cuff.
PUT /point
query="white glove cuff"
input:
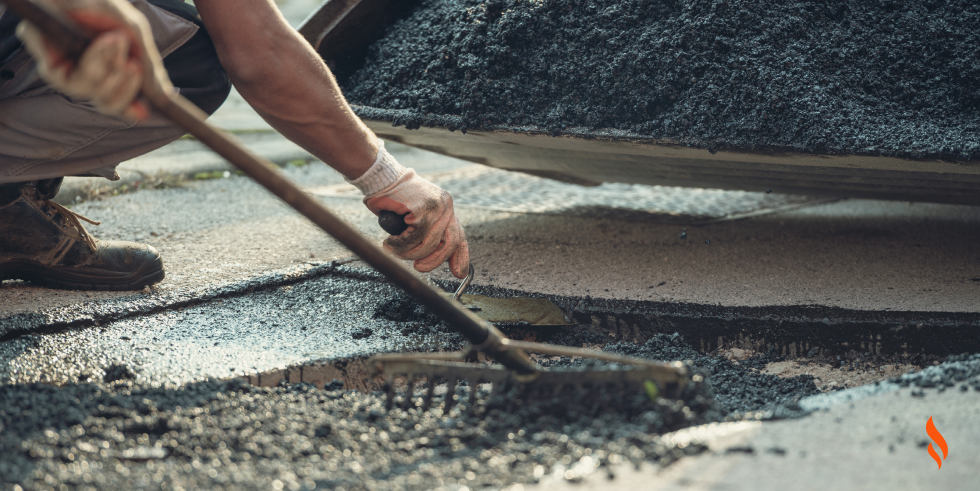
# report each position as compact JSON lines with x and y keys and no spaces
{"x":383,"y":173}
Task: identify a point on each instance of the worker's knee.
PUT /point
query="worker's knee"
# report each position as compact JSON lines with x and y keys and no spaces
{"x":194,"y":67}
{"x":44,"y":134}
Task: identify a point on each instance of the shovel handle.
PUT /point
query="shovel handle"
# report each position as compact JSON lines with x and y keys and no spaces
{"x":185,"y":114}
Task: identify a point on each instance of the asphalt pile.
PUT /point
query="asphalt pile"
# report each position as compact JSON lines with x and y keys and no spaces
{"x":885,"y":77}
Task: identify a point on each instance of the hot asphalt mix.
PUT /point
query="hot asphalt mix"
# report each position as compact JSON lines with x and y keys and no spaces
{"x":879,"y":78}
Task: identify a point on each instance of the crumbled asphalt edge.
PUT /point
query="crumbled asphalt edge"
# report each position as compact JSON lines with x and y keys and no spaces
{"x":818,"y":332}
{"x":211,"y":434}
{"x":878,"y":78}
{"x":737,"y":389}
{"x":823,"y":327}
{"x":962,"y":371}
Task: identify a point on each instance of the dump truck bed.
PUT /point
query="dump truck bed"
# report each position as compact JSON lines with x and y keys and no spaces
{"x":341,"y":30}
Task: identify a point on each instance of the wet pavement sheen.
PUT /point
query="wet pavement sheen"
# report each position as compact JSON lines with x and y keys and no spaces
{"x":321,"y":319}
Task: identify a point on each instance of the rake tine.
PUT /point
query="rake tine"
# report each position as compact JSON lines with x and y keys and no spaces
{"x":535,"y":392}
{"x":626,"y":391}
{"x":409,"y":400}
{"x":474,"y":388}
{"x":451,"y":392}
{"x":580,"y":392}
{"x":496,"y":388}
{"x":558,"y":388}
{"x":514,"y":389}
{"x":430,"y":391}
{"x":520,"y":393}
{"x":389,"y":392}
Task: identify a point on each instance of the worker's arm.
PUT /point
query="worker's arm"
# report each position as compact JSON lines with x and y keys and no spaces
{"x":280,"y":75}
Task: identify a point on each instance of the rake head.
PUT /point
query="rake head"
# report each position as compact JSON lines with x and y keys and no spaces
{"x":590,"y":387}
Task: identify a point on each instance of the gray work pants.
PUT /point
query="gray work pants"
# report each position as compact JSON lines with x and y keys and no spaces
{"x":44,"y":134}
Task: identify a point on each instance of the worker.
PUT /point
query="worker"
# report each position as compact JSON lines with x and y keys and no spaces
{"x":61,"y":117}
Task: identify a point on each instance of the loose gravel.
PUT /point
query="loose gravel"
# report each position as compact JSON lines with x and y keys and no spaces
{"x":738,"y":388}
{"x":881,"y":77}
{"x":229,"y":435}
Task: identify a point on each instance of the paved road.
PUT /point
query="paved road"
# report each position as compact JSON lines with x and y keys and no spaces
{"x":874,"y":443}
{"x":225,"y":237}
{"x":532,"y":234}
{"x":252,"y":288}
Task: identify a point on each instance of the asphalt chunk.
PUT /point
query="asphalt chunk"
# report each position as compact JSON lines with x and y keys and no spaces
{"x":877,"y":78}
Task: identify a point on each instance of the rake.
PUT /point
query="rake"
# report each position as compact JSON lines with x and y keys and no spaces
{"x":515,"y":366}
{"x":623,"y":374}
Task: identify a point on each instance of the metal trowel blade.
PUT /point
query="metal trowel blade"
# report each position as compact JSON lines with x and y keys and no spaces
{"x":537,"y":312}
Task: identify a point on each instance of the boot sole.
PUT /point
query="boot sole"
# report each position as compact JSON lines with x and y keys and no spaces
{"x":67,"y":279}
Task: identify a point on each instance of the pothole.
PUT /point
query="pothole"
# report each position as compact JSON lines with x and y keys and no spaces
{"x":321,"y":410}
{"x":837,"y":348}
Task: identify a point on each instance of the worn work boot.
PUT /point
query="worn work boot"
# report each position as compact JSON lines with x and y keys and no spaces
{"x":45,"y":243}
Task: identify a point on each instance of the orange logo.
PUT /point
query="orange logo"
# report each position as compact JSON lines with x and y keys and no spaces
{"x":937,"y":437}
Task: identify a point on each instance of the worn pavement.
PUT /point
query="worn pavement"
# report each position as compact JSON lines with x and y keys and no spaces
{"x":252,"y":288}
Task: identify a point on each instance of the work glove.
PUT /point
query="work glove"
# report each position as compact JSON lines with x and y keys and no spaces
{"x":434,"y":234}
{"x":121,"y":61}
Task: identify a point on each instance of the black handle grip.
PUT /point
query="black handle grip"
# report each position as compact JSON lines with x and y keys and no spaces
{"x":392,"y":222}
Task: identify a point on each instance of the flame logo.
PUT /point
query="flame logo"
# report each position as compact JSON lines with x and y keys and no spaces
{"x":940,"y":442}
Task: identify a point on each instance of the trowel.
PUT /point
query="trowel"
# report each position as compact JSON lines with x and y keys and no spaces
{"x":502,"y":311}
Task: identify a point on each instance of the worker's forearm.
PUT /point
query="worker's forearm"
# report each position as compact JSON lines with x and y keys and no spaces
{"x":281,"y":76}
{"x":307,"y":107}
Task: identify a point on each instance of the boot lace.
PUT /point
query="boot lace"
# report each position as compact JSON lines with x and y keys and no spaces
{"x":75,"y":220}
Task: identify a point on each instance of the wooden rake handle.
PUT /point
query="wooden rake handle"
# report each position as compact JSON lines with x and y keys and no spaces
{"x":72,"y":41}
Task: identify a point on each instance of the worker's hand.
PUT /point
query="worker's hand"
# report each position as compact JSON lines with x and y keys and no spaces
{"x":121,"y":61}
{"x":434,"y":235}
